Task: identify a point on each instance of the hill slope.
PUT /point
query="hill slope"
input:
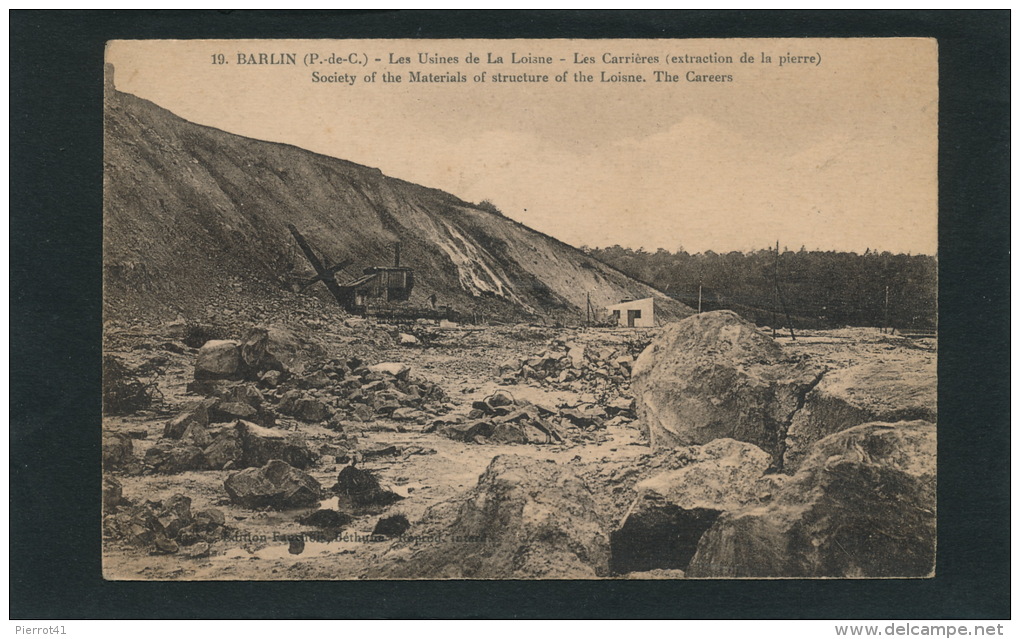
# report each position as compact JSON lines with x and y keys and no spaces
{"x":192,"y":214}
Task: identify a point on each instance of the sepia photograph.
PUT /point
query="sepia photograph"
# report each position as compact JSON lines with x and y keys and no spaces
{"x":520,"y":309}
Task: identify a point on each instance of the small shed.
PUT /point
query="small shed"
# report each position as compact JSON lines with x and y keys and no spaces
{"x":388,"y":283}
{"x":634,"y":313}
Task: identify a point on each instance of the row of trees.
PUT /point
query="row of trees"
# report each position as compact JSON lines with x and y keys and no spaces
{"x":818,"y":289}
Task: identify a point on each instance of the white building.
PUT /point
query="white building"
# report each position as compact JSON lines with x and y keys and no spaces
{"x":634,"y":313}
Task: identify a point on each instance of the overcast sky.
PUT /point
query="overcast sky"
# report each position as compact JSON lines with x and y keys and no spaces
{"x":840,"y":155}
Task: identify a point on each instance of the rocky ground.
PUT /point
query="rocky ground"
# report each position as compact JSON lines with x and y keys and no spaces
{"x":381,"y":465}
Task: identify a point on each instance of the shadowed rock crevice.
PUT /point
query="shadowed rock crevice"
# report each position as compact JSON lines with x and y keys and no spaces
{"x":658,"y":535}
{"x":778,"y":461}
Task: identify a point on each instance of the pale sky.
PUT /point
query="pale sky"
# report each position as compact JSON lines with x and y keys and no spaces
{"x":839,"y":155}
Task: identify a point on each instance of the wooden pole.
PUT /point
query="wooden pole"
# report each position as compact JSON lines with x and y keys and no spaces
{"x":324,"y":274}
{"x":885,"y":319}
{"x":699,"y":299}
{"x":779,"y":296}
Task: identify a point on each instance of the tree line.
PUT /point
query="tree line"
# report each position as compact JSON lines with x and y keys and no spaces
{"x":816,"y":289}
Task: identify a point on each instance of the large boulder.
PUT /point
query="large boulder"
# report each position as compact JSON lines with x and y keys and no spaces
{"x":260,"y":445}
{"x":525,"y":519}
{"x":873,"y":392}
{"x":715,"y":375}
{"x":862,"y":505}
{"x":277,"y":485}
{"x":673,"y":509}
{"x":279,"y":348}
{"x":218,"y":359}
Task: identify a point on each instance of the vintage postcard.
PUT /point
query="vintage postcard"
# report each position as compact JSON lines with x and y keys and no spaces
{"x":520,"y":309}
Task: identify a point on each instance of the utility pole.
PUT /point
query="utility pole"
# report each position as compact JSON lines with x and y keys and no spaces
{"x":587,"y":310}
{"x":885,"y":320}
{"x":699,"y":299}
{"x":779,"y":297}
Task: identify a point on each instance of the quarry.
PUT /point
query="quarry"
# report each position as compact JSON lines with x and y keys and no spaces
{"x":517,"y":451}
{"x":315,"y":371}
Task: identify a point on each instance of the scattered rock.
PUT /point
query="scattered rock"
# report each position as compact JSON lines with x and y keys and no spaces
{"x":715,"y":375}
{"x":198,"y":550}
{"x":379,"y":451}
{"x":165,"y":527}
{"x":194,"y":413}
{"x":362,"y":488}
{"x":174,"y":347}
{"x":621,"y":407}
{"x":500,"y":398}
{"x":113,"y":491}
{"x":277,"y":485}
{"x":577,"y":355}
{"x":309,"y":409}
{"x":195,"y":335}
{"x":408,"y":340}
{"x":281,"y":349}
{"x":467,"y":432}
{"x":500,"y":419}
{"x":329,"y":519}
{"x":169,"y":458}
{"x":224,"y":452}
{"x":270,"y":379}
{"x":362,"y":413}
{"x":392,"y":526}
{"x":318,"y":379}
{"x":395,"y":369}
{"x":232,"y":411}
{"x":862,"y":505}
{"x":196,"y":435}
{"x":164,"y":546}
{"x":118,"y":451}
{"x":508,"y":433}
{"x":243,"y":393}
{"x":407,"y":414}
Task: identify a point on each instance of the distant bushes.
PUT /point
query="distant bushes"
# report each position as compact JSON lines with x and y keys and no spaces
{"x":819,"y":288}
{"x":487,"y":205}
